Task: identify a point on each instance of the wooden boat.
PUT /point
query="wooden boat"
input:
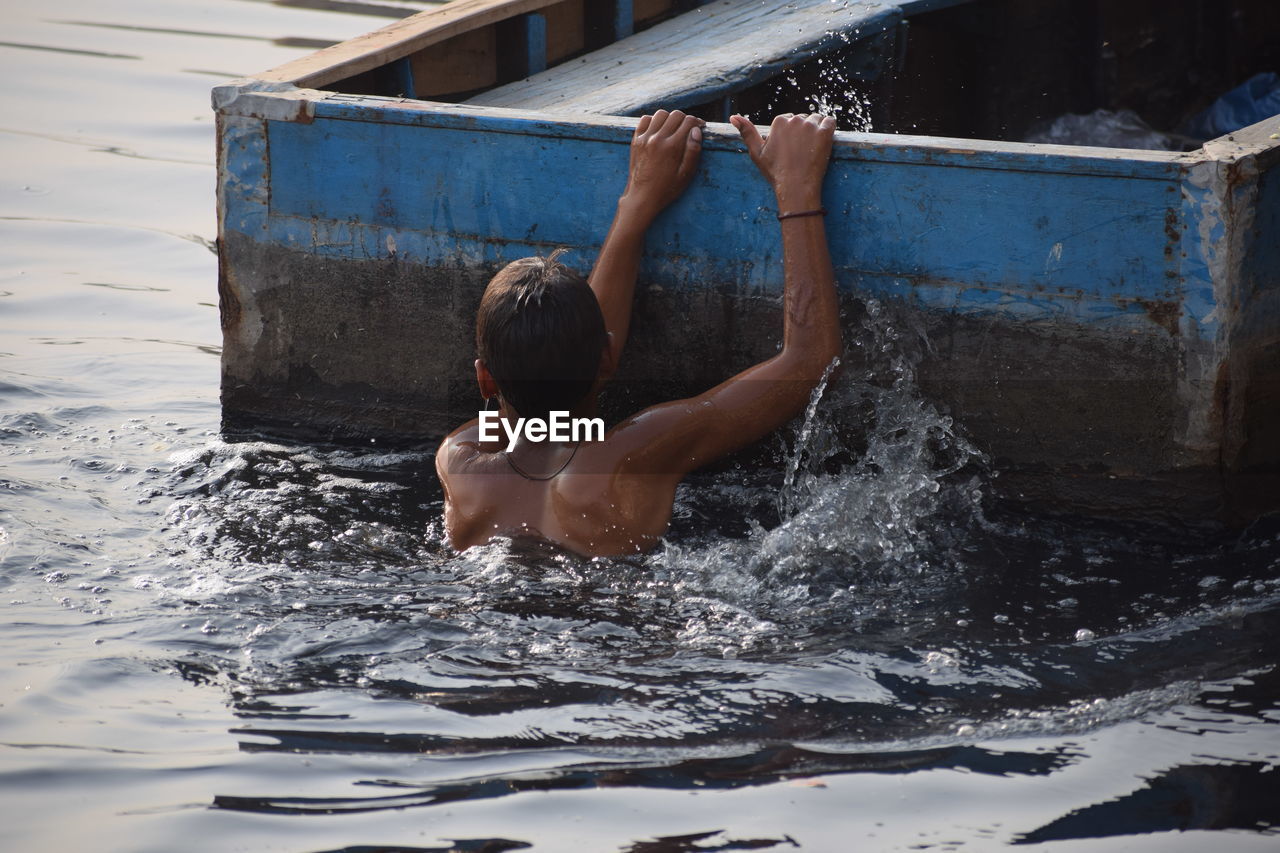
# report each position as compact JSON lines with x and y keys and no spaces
{"x":1104,"y":322}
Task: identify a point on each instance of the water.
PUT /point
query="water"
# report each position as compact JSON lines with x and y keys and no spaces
{"x":215,"y":646}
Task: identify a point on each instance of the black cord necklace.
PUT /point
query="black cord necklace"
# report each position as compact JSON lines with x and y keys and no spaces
{"x":527,"y":476}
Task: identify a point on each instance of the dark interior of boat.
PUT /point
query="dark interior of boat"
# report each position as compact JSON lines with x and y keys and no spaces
{"x":994,"y":69}
{"x":984,"y":69}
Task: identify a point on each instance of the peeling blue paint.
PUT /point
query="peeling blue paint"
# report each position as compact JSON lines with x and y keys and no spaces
{"x":1063,"y":237}
{"x":243,"y":174}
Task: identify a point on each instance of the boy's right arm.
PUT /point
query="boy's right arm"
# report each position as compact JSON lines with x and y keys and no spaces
{"x":675,"y":438}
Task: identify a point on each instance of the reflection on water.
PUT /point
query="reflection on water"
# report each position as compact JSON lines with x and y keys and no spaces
{"x":216,"y":645}
{"x":97,"y":54}
{"x":1222,"y":796}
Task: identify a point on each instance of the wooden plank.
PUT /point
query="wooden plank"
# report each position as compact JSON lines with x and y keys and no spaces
{"x":646,"y":10}
{"x":624,"y":19}
{"x":535,"y":42}
{"x":565,"y":30}
{"x":443,"y":21}
{"x":398,"y":40}
{"x":704,"y":54}
{"x":465,"y":63}
{"x":404,"y":76}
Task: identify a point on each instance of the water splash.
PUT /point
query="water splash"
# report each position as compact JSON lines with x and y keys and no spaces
{"x":826,"y":86}
{"x":874,"y":482}
{"x":872,"y":464}
{"x":805,"y":444}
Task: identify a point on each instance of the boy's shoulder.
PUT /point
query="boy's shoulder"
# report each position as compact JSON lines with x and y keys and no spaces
{"x":464,"y":436}
{"x":459,"y":451}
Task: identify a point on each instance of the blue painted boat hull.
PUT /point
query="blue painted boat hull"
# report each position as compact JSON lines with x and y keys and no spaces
{"x":1104,"y":323}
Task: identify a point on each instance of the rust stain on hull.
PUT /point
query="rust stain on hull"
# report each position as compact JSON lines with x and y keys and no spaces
{"x":1165,"y":313}
{"x":229,"y":308}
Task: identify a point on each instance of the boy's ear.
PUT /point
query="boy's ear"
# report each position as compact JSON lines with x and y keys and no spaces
{"x":488,"y":385}
{"x":608,"y":364}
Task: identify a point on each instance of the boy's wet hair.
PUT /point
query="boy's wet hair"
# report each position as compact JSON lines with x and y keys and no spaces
{"x":540,"y":332}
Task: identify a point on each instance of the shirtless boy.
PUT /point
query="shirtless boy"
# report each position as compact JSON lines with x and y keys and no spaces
{"x":548,"y":341}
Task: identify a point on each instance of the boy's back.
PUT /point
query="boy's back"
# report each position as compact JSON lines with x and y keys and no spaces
{"x":591,"y":506}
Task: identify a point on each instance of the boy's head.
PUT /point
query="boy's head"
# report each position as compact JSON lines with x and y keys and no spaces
{"x":540,"y":334}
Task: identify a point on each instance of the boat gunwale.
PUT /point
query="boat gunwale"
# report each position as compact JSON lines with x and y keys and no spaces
{"x":282,"y":104}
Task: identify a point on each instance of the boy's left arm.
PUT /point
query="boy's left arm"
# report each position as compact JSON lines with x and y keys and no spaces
{"x":664,"y":157}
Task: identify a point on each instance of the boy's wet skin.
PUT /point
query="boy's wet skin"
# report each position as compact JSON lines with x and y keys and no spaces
{"x":546,"y":342}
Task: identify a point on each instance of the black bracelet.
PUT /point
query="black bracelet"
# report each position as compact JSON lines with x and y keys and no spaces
{"x":821,"y":211}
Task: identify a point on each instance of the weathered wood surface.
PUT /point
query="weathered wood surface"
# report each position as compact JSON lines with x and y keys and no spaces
{"x":398,"y":40}
{"x":697,"y":57}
